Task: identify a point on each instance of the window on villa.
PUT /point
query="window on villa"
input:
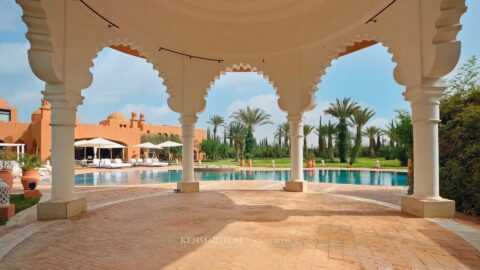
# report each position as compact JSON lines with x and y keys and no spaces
{"x":5,"y":115}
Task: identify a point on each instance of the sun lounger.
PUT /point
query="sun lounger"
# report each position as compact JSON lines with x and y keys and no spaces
{"x":154,"y":162}
{"x":119,"y":162}
{"x":95,"y":163}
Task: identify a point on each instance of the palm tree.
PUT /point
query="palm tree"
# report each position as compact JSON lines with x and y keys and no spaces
{"x":391,"y":132}
{"x":342,"y":109}
{"x":307,"y":129}
{"x":278,"y":135}
{"x":371,"y":133}
{"x":359,"y":118}
{"x":251,"y":117}
{"x":286,"y":134}
{"x":215,"y":121}
{"x":237,"y":132}
{"x":330,"y":131}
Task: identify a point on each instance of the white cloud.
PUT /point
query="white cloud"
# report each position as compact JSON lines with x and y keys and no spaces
{"x":118,"y":77}
{"x":10,"y":16}
{"x":241,"y":82}
{"x":161,"y":114}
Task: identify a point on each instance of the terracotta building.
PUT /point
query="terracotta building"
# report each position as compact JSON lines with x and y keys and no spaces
{"x":36,"y":135}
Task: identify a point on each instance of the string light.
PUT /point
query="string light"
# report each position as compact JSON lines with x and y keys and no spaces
{"x":191,"y":56}
{"x":110,"y":23}
{"x":374,"y":18}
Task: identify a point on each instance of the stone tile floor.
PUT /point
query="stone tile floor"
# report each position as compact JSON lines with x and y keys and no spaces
{"x":242,"y":225}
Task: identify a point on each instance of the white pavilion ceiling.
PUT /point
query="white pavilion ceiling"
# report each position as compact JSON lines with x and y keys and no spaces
{"x":237,"y":28}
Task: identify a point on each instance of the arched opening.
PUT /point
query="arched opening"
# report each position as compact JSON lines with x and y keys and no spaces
{"x":365,"y":78}
{"x":126,"y":102}
{"x":234,"y":97}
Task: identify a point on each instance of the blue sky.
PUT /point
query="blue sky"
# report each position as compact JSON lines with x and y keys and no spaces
{"x":366,"y":76}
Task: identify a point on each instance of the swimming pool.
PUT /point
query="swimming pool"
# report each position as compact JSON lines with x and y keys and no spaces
{"x":136,"y":177}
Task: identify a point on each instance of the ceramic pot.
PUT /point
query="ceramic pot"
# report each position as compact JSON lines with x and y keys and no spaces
{"x":29,"y":176}
{"x":7,"y":177}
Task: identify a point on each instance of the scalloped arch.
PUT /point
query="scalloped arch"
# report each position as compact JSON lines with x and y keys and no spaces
{"x":334,"y":54}
{"x":146,"y":54}
{"x":241,"y":65}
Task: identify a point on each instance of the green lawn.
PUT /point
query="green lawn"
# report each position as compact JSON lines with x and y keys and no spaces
{"x":20,"y":204}
{"x":362,"y":162}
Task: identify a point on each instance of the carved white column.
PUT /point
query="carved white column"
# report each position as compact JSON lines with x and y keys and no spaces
{"x":296,"y":154}
{"x":426,"y":200}
{"x":188,"y":183}
{"x":63,"y":203}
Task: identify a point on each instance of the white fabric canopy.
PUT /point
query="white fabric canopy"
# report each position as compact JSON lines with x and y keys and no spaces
{"x":169,"y":144}
{"x":148,"y":145}
{"x":98,"y":143}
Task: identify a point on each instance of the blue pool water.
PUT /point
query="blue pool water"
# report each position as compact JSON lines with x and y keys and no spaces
{"x":323,"y":176}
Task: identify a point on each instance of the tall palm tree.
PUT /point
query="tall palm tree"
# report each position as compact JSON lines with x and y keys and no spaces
{"x":358,"y":119}
{"x":342,"y":109}
{"x":215,"y":121}
{"x":330,"y":131}
{"x":237,"y":132}
{"x":252,"y":117}
{"x":278,"y":135}
{"x":371,"y":133}
{"x":307,"y":129}
{"x":391,"y":132}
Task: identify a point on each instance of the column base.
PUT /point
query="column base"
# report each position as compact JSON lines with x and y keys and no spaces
{"x":61,"y":209}
{"x":188,"y":187}
{"x":428,"y":208}
{"x":295,"y":186}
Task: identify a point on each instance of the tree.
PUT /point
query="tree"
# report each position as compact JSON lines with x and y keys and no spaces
{"x":249,"y":143}
{"x":359,"y":119}
{"x":320,"y":130}
{"x":404,"y":135}
{"x":371,"y":133}
{"x":215,"y":121}
{"x":251,"y":117}
{"x":307,"y":129}
{"x":391,"y":132}
{"x":278,"y":135}
{"x":286,"y":134}
{"x":330,"y":131}
{"x":342,"y":109}
{"x":238,"y":133}
{"x":459,"y":140}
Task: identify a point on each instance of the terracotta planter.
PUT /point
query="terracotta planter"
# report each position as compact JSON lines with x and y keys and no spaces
{"x":249,"y":163}
{"x":7,"y":177}
{"x":313,"y":163}
{"x":29,"y":176}
{"x":241,"y":162}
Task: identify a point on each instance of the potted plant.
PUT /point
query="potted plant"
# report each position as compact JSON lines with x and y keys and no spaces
{"x":311,"y":160}
{"x":7,"y":162}
{"x":30,"y":165}
{"x":242,"y":162}
{"x":249,"y":159}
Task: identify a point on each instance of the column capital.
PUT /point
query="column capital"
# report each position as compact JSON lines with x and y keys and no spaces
{"x":188,"y":119}
{"x":424,"y":94}
{"x":296,"y":118}
{"x":61,"y":98}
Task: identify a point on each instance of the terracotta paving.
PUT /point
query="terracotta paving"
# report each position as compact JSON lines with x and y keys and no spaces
{"x":241,"y":225}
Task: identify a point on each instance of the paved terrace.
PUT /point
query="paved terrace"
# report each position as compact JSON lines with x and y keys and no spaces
{"x":239,"y":225}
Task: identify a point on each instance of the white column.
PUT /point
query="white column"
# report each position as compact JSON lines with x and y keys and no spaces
{"x":425,"y":119}
{"x":296,"y":147}
{"x":63,"y":163}
{"x":188,"y":135}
